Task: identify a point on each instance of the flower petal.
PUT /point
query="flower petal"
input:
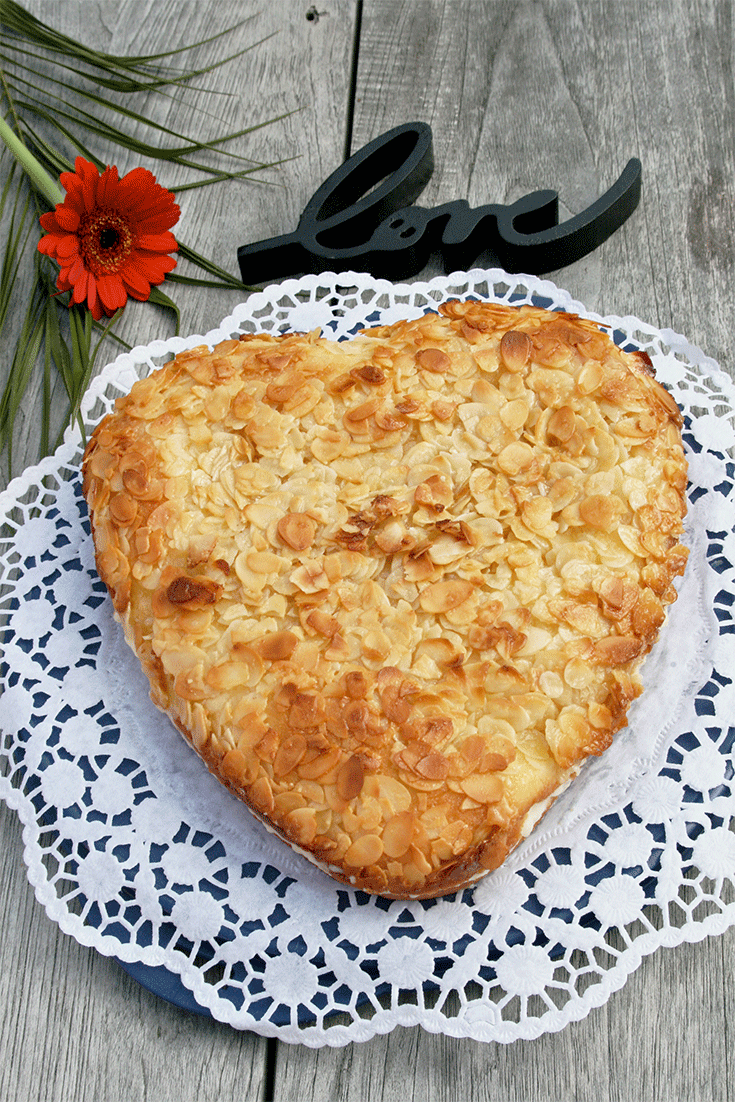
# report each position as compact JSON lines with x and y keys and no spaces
{"x":111,"y":292}
{"x":48,"y":221}
{"x":137,"y":284}
{"x":67,"y":218}
{"x":135,"y":187}
{"x":152,"y":268}
{"x":93,"y":301}
{"x":77,"y":271}
{"x":157,"y":242}
{"x":79,"y":293}
{"x":107,"y":187}
{"x":67,"y":246}
{"x":47,"y":244}
{"x":88,"y":175}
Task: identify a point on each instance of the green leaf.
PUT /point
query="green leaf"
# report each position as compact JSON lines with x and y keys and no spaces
{"x":160,"y":299}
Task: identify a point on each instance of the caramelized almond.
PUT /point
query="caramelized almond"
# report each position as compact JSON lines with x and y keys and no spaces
{"x":433,"y":359}
{"x":445,"y":595}
{"x":278,"y":646}
{"x":297,"y":530}
{"x":398,"y":833}
{"x":515,"y":349}
{"x":350,"y":778}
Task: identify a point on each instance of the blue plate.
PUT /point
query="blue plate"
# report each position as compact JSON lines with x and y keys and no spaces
{"x":159,"y":981}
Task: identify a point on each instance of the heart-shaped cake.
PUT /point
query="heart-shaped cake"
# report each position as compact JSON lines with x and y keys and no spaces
{"x":395,"y":590}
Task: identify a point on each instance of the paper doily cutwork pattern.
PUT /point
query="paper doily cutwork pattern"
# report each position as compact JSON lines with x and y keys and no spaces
{"x":135,"y":850}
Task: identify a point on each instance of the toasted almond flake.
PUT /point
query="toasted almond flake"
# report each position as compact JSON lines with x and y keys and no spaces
{"x":398,"y":833}
{"x":365,"y":851}
{"x":297,"y":530}
{"x":363,"y":411}
{"x":289,"y":754}
{"x":350,"y":778}
{"x":515,"y":458}
{"x":320,"y":766}
{"x":445,"y":595}
{"x":515,"y":349}
{"x":433,"y":359}
{"x":484,"y":788}
{"x":310,"y":578}
{"x":301,"y":825}
{"x":561,"y":424}
{"x":278,"y":646}
{"x":599,"y":511}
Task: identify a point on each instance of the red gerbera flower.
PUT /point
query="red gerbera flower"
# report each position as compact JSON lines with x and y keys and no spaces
{"x":110,"y":236}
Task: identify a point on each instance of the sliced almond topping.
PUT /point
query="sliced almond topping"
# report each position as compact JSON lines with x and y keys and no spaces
{"x":369,"y":374}
{"x":305,"y":711}
{"x":363,"y":411}
{"x":356,"y":684}
{"x":562,"y":424}
{"x":310,"y":578}
{"x":435,"y":493}
{"x":301,"y":825}
{"x":323,"y":623}
{"x":398,"y":833}
{"x":278,"y":646}
{"x":515,"y":349}
{"x":485,"y":788}
{"x":515,"y":458}
{"x":297,"y":530}
{"x":387,"y":421}
{"x":433,"y":766}
{"x":443,"y":411}
{"x":236,"y":768}
{"x":321,"y":765}
{"x":616,"y":650}
{"x":433,"y":359}
{"x":445,"y":595}
{"x":192,"y":592}
{"x":599,"y":511}
{"x":350,"y":778}
{"x":279,"y":392}
{"x":394,"y":537}
{"x":123,"y":509}
{"x":260,"y":794}
{"x":288,"y":755}
{"x":365,"y":851}
{"x":438,"y":565}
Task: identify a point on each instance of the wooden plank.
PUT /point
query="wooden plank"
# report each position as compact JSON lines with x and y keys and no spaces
{"x":74,"y":1025}
{"x":560,"y":94}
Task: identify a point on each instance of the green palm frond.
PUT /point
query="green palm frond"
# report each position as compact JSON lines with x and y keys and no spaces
{"x":60,"y":99}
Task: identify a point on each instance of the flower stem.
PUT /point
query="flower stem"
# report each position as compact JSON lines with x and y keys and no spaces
{"x":35,"y":171}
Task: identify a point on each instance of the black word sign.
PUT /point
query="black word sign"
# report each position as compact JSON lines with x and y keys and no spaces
{"x":362,"y":218}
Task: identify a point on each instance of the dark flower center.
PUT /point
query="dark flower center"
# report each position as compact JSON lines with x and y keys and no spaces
{"x":109,"y":238}
{"x":105,"y":241}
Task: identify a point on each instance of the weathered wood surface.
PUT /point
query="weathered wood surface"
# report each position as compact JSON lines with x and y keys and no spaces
{"x":519,"y":95}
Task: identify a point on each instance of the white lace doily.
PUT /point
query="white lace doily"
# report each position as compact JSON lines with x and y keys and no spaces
{"x":161,"y":866}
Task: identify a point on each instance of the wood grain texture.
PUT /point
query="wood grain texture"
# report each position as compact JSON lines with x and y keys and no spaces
{"x":519,"y":95}
{"x":561,"y":94}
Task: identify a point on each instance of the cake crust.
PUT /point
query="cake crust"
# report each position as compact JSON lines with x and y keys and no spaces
{"x":395,"y":590}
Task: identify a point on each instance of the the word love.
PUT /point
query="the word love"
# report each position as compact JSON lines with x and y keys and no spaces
{"x":362,"y":218}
